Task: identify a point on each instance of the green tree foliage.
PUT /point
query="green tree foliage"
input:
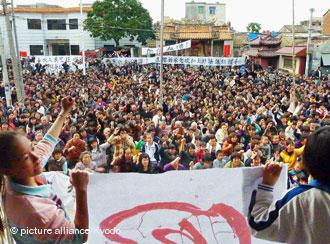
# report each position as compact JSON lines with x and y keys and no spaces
{"x":115,"y":19}
{"x":253,"y":27}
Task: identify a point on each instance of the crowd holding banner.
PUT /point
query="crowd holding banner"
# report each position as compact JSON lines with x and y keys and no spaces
{"x":54,"y":64}
{"x":183,"y":60}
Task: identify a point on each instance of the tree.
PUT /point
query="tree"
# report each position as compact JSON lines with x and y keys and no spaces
{"x":116,"y":19}
{"x":253,"y":27}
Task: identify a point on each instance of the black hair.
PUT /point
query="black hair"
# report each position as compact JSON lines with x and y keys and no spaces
{"x":316,"y":156}
{"x":191,"y":145}
{"x":7,"y":150}
{"x":140,"y":166}
{"x":90,"y":142}
{"x":236,"y":155}
{"x":207,"y":158}
{"x":218,"y":152}
{"x":7,"y":147}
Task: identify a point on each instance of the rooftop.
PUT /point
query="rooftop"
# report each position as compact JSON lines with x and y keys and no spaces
{"x":297,"y":29}
{"x":51,"y":10}
{"x":205,"y":3}
{"x":38,"y":5}
{"x":298,"y":51}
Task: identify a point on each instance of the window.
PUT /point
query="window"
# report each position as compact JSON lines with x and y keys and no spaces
{"x":34,"y":24}
{"x":36,"y":50}
{"x":56,"y":24}
{"x":73,"y":24}
{"x":74,"y":49}
{"x":200,"y":9}
{"x":287,"y":63}
{"x":109,"y":47}
{"x":212,"y":10}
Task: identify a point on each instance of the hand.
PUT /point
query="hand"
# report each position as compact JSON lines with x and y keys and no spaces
{"x":67,"y":104}
{"x":176,"y":160}
{"x":72,"y":148}
{"x":272,"y":171}
{"x":79,"y":179}
{"x":116,"y":131}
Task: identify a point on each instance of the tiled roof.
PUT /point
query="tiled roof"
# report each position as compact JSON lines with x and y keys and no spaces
{"x":267,"y":53}
{"x":299,"y":51}
{"x":297,"y":28}
{"x":197,"y":32}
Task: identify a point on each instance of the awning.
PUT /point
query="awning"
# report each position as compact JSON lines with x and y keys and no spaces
{"x":326,"y":59}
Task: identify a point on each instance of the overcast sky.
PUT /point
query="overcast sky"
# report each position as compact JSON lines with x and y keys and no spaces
{"x":272,"y":15}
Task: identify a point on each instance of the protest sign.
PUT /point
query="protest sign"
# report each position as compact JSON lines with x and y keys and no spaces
{"x":205,"y":206}
{"x":166,"y":49}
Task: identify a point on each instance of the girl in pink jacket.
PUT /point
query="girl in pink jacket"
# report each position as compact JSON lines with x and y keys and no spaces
{"x":33,"y":213}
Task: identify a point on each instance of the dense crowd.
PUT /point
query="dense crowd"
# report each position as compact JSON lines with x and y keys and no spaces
{"x":209,"y":117}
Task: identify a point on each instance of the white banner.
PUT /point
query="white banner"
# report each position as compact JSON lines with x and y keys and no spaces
{"x":166,"y":49}
{"x":202,"y":206}
{"x":123,"y":61}
{"x":54,"y":63}
{"x":184,"y":60}
{"x":61,"y":186}
{"x":58,"y":59}
{"x":204,"y":61}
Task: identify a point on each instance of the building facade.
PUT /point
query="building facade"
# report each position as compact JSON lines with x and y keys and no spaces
{"x":285,"y":59}
{"x":262,"y":49}
{"x":316,"y":24}
{"x":321,"y":57}
{"x":206,"y":39}
{"x":206,"y":12}
{"x":53,"y":30}
{"x":326,"y":24}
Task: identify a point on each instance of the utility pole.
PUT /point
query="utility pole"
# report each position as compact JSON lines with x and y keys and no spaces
{"x":5,"y":71}
{"x":308,"y":53}
{"x":14,"y":58}
{"x":293,"y":48}
{"x":16,"y":40}
{"x":82,"y":38}
{"x":161,"y":81}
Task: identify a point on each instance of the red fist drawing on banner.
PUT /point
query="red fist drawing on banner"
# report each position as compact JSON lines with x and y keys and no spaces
{"x":186,"y":228}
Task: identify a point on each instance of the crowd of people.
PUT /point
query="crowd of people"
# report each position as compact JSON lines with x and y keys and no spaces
{"x":120,"y":119}
{"x":208,"y":117}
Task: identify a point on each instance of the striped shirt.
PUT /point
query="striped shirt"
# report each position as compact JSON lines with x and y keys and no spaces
{"x":301,"y":216}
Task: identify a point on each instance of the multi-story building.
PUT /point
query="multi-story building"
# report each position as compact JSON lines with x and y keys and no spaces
{"x":52,"y":30}
{"x":316,"y":24}
{"x":206,"y":12}
{"x":205,"y":25}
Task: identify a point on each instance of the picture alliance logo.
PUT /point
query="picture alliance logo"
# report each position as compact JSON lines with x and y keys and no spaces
{"x":61,"y":231}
